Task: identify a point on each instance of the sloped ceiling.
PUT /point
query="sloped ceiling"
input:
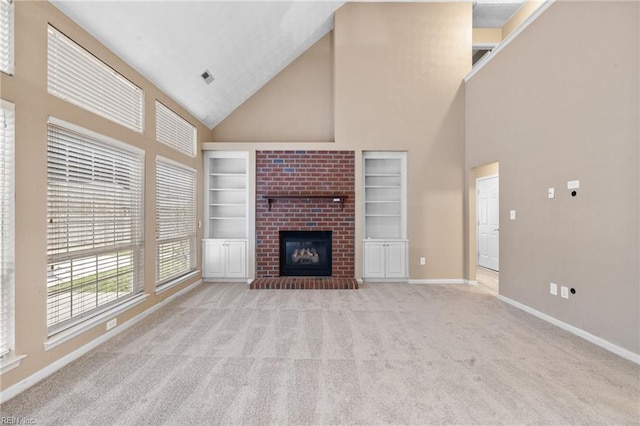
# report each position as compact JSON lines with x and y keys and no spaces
{"x":242,"y":44}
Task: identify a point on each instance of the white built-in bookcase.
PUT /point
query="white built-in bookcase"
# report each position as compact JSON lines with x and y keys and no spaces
{"x":385,"y":195}
{"x":226,"y":194}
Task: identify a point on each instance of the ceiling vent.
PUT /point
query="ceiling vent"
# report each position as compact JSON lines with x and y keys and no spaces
{"x":207,"y":77}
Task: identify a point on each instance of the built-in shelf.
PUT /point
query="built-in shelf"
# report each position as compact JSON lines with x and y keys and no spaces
{"x":336,"y":198}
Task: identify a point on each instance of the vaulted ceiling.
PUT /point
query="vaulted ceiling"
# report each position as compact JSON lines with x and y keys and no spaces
{"x":241,"y":44}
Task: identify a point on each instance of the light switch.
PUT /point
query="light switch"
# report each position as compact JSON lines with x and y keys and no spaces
{"x":573,"y":184}
{"x":564,"y":292}
{"x":552,"y":192}
{"x":553,"y":289}
{"x":512,"y":215}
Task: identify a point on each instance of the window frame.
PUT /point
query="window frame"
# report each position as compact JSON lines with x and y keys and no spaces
{"x":190,"y":220}
{"x":7,"y":230}
{"x":172,"y":129}
{"x":100,"y":251}
{"x":7,"y":25}
{"x":88,"y":82}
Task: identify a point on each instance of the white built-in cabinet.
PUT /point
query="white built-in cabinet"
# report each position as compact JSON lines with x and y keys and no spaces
{"x":224,"y":247}
{"x":385,"y":216}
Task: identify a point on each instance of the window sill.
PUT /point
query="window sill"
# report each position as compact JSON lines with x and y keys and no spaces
{"x":10,"y":363}
{"x":168,"y":285}
{"x":85,"y":325}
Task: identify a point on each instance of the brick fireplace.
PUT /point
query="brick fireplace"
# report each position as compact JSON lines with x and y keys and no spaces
{"x":305,"y":191}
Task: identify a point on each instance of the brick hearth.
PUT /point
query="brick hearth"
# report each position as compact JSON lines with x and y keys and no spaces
{"x":304,"y":283}
{"x":304,"y":173}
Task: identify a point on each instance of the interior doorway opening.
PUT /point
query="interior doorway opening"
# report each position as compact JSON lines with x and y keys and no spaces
{"x":484,"y":229}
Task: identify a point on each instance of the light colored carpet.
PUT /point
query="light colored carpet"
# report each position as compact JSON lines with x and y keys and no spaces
{"x":387,"y":353}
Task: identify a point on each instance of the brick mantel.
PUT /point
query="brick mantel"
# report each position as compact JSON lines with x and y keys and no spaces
{"x":295,"y":177}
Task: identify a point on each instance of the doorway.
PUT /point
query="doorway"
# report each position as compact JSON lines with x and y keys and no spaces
{"x":488,"y":222}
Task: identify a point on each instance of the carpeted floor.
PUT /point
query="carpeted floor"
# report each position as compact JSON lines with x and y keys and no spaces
{"x":387,"y":353}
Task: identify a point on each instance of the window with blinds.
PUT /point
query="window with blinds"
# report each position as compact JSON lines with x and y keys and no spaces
{"x":175,"y":131}
{"x":6,"y":36}
{"x":175,"y":220}
{"x":6,"y":228}
{"x":77,"y":76}
{"x":95,"y":223}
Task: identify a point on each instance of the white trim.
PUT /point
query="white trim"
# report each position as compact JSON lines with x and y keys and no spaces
{"x":443,"y":281}
{"x":486,"y":58}
{"x":160,"y":158}
{"x":485,"y":45}
{"x":80,"y":328}
{"x":95,"y":135}
{"x":221,"y":280}
{"x":10,"y":363}
{"x":624,"y":353}
{"x":359,"y":280}
{"x":23,"y":385}
{"x":472,"y":282}
{"x":181,"y":279}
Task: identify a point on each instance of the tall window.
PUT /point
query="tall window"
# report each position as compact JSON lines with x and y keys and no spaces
{"x":175,"y":220}
{"x":77,"y":76}
{"x":6,"y":36}
{"x":175,"y":131}
{"x":6,"y":228}
{"x":95,"y":223}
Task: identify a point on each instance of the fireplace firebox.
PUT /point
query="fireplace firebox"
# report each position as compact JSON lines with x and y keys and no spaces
{"x":305,"y":253}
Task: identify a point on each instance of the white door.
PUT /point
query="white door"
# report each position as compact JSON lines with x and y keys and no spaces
{"x":213,"y":259}
{"x":374,"y":259}
{"x":396,"y":260}
{"x":488,"y":222}
{"x":236,"y":259}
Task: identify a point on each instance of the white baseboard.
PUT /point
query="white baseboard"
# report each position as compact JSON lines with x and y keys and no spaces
{"x":624,"y":353}
{"x":36,"y":377}
{"x":444,"y":281}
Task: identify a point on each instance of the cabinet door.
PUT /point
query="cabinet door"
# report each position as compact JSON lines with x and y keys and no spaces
{"x":374,"y":262}
{"x":396,"y":260}
{"x":236,"y":259}
{"x":213,"y":259}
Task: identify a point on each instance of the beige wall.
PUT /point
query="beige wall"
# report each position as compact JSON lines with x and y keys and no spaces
{"x":560,"y":103}
{"x":487,"y":35}
{"x":28,"y":90}
{"x":397,"y":74}
{"x":295,"y":106}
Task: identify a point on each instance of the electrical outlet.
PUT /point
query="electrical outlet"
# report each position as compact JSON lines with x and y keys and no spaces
{"x":553,"y":289}
{"x":552,"y":192}
{"x":423,"y":261}
{"x":564,"y":292}
{"x":112,"y":323}
{"x":512,"y":215}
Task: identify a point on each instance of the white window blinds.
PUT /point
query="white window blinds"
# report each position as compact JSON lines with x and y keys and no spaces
{"x":6,"y":228}
{"x":77,"y":76}
{"x":6,"y":36}
{"x":95,"y":223}
{"x":175,"y":220}
{"x":173,"y":130}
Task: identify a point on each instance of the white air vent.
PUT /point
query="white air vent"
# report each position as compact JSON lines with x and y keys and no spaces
{"x":207,"y":77}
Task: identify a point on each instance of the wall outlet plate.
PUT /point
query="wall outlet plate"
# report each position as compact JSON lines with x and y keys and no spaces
{"x":512,"y":215}
{"x":564,"y":292}
{"x":552,"y":193}
{"x":573,"y":184}
{"x":553,"y":288}
{"x":112,"y":323}
{"x":423,"y":261}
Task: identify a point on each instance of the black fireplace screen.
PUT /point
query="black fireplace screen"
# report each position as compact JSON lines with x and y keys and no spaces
{"x":305,"y":253}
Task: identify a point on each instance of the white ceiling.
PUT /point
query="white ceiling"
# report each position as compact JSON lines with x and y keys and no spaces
{"x":243,"y":44}
{"x":494,"y":13}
